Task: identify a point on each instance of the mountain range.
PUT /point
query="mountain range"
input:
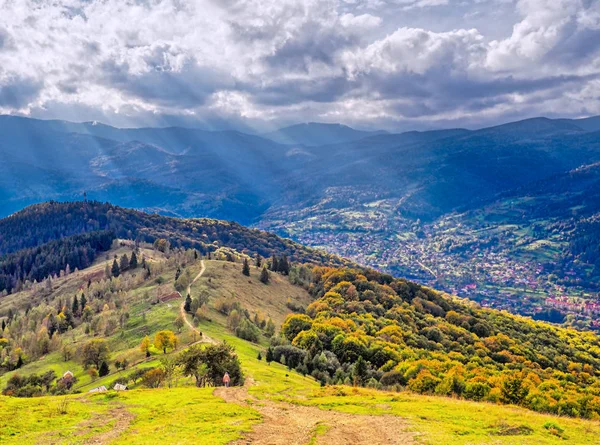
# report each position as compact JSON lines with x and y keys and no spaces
{"x":414,"y":203}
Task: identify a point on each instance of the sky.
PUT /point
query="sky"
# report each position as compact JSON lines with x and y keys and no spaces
{"x":257,"y":65}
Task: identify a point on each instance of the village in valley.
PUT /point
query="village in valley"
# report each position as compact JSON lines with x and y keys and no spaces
{"x":513,"y":267}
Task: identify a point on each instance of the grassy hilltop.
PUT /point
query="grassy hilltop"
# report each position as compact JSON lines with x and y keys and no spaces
{"x":186,"y":414}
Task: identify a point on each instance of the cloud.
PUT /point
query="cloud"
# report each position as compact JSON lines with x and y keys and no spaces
{"x":269,"y":62}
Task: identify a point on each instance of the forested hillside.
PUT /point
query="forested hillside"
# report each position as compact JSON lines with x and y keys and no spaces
{"x":40,"y":224}
{"x":371,"y":329}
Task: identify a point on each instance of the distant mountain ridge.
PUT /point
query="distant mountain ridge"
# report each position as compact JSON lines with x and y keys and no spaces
{"x":315,"y":134}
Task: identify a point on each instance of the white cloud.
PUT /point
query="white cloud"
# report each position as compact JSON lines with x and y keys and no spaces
{"x":270,"y":60}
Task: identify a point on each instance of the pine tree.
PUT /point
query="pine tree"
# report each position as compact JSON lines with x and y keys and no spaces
{"x":143,"y":262}
{"x":246,"y":267}
{"x":115,"y":271}
{"x":124,"y":263}
{"x":75,"y":306}
{"x":195,"y":254}
{"x":264,"y":275}
{"x":274,"y":264}
{"x":3,"y":325}
{"x":258,"y":261}
{"x":187,"y":306}
{"x":284,"y":265}
{"x":259,"y":356}
{"x":269,"y":356}
{"x":103,"y":369}
{"x":133,"y":263}
{"x":82,"y":302}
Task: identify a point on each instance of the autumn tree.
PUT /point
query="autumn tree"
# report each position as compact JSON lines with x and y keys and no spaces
{"x":94,"y":353}
{"x":165,"y":340}
{"x":145,"y":346}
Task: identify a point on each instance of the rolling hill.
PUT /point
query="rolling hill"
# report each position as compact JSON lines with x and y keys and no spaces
{"x":387,"y":352}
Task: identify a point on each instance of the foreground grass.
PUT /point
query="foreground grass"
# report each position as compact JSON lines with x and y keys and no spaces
{"x":437,"y":420}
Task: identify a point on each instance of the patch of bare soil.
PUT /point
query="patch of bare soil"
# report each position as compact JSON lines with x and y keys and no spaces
{"x":288,"y":424}
{"x":123,"y":419}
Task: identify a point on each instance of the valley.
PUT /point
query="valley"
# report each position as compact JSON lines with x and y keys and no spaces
{"x":504,"y":215}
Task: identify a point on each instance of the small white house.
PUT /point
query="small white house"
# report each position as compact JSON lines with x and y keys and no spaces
{"x":99,"y":389}
{"x":68,"y":374}
{"x":119,"y":387}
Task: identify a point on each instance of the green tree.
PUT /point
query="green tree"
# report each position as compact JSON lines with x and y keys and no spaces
{"x":209,"y":364}
{"x":103,"y":370}
{"x":246,"y":267}
{"x":359,"y":372}
{"x":264,"y":275}
{"x":269,"y":356}
{"x":258,"y":260}
{"x":124,"y":265}
{"x":187,"y":306}
{"x":115,"y":271}
{"x":94,"y":353}
{"x":75,"y":306}
{"x":133,"y":262}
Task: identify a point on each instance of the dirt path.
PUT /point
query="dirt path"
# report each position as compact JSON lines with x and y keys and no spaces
{"x":123,"y":419}
{"x":203,"y":337}
{"x":288,"y":424}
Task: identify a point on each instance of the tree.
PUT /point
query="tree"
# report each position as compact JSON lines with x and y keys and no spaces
{"x":133,"y":262}
{"x":145,"y":345}
{"x":124,"y":263}
{"x":66,"y":352}
{"x":246,"y":267}
{"x":165,"y":340}
{"x":107,"y":274}
{"x":259,"y":356}
{"x":284,"y":265}
{"x":187,"y":306}
{"x":274,"y":264}
{"x":169,"y":367}
{"x":179,"y":323}
{"x":264,"y":275}
{"x":270,"y":328}
{"x":3,"y":325}
{"x":115,"y":271}
{"x":209,"y":364}
{"x":82,"y":302}
{"x":75,"y":306}
{"x":94,"y":353}
{"x":269,"y":357}
{"x":153,"y":378}
{"x":359,"y":372}
{"x":258,"y":260}
{"x":103,"y":370}
{"x":295,"y":324}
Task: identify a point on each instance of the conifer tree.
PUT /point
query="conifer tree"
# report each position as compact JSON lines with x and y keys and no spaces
{"x":269,"y":356}
{"x":284,"y":265}
{"x":103,"y":369}
{"x":258,"y":260}
{"x":187,"y":306}
{"x":124,"y":263}
{"x":115,"y":271}
{"x":133,"y":262}
{"x":264,"y":275}
{"x":259,"y":356}
{"x":274,"y":264}
{"x":3,"y":325}
{"x":246,"y":268}
{"x":82,"y":302}
{"x":75,"y":306}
